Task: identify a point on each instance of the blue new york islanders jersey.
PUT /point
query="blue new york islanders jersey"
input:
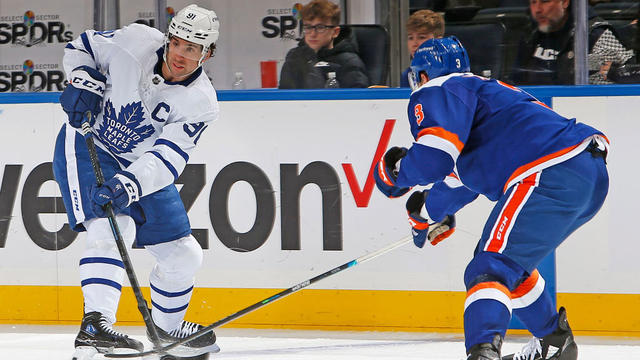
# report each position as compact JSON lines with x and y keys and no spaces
{"x":488,"y":133}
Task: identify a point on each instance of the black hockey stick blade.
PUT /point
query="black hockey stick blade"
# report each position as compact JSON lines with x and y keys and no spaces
{"x":166,"y":349}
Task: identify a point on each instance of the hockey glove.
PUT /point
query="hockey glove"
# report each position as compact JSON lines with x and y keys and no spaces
{"x":386,"y":173}
{"x":83,"y":93}
{"x":421,"y":228}
{"x":120,"y":191}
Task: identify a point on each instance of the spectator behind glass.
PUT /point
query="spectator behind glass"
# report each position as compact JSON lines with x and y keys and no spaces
{"x":545,"y":57}
{"x":325,"y":48}
{"x":421,"y":26}
{"x":628,"y":73}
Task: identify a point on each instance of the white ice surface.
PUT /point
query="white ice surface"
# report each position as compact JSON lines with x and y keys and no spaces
{"x":29,"y":342}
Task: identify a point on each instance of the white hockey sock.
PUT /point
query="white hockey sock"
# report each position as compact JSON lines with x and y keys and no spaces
{"x":172,"y":280}
{"x":101,"y":268}
{"x":101,"y":278}
{"x":169,"y":306}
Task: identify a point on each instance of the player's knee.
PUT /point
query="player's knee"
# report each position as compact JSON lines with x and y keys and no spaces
{"x":100,"y":235}
{"x":182,"y":256}
{"x":493,"y":267}
{"x":191,"y":253}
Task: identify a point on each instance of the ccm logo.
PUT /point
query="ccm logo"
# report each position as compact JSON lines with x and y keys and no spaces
{"x":503,"y":224}
{"x":83,"y":83}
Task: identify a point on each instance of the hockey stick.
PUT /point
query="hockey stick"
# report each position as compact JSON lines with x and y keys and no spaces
{"x":122,"y":248}
{"x":268,"y":300}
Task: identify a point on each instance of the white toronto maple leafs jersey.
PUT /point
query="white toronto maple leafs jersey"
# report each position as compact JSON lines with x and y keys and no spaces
{"x":150,"y":125}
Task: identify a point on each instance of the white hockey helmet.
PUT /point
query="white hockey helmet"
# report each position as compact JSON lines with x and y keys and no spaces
{"x":197,"y":25}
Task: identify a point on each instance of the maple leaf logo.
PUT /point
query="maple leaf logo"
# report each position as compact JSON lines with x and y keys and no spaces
{"x":121,"y":132}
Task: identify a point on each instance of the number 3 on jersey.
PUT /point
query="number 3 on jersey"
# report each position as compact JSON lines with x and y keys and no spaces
{"x":417,"y":110}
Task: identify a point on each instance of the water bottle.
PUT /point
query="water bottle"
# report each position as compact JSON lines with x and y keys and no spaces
{"x":332,"y":82}
{"x":238,"y":83}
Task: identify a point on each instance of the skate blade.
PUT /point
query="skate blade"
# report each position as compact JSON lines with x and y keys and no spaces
{"x":93,"y":353}
{"x":186,"y":351}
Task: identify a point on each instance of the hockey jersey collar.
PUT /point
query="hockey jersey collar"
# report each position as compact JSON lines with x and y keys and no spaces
{"x":440,"y":80}
{"x":158,"y":70}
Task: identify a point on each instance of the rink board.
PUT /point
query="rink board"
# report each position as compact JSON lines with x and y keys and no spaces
{"x":328,"y":141}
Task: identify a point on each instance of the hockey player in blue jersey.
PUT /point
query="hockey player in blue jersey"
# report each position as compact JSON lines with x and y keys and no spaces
{"x":151,"y":102}
{"x":546,"y":173}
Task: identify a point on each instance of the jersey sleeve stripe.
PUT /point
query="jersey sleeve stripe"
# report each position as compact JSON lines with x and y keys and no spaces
{"x":443,"y":134}
{"x":195,"y":141}
{"x":173,"y":147}
{"x":167,"y":164}
{"x":71,"y":47}
{"x":87,"y":45}
{"x":439,"y":143}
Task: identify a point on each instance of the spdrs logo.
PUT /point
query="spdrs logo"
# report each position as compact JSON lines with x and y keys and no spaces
{"x":29,"y":76}
{"x":284,"y":23}
{"x":31,"y":29}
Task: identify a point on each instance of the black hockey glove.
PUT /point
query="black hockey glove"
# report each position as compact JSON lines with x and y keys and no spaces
{"x":386,"y":172}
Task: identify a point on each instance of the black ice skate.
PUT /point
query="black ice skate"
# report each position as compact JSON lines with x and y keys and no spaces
{"x":199,"y":346}
{"x":486,"y":351}
{"x":97,"y":336}
{"x":559,"y":345}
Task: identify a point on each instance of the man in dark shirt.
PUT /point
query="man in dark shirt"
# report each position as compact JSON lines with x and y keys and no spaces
{"x":546,"y":56}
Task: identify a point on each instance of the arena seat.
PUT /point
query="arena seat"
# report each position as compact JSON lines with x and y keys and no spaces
{"x":373,"y":48}
{"x":484,"y":43}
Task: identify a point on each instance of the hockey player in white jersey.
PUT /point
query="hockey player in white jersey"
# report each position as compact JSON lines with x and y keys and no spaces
{"x":151,"y":102}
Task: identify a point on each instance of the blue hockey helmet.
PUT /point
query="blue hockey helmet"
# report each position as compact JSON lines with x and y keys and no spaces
{"x":438,"y":57}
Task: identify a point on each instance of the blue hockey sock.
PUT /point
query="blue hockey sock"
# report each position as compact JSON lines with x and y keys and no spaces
{"x":487,"y":313}
{"x":533,"y":305}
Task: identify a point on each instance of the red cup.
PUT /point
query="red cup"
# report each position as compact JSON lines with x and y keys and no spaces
{"x":269,"y":73}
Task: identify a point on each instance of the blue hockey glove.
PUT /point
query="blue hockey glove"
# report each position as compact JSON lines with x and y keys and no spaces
{"x":386,"y":173}
{"x":119,"y":190}
{"x":84,"y":93}
{"x":421,"y":228}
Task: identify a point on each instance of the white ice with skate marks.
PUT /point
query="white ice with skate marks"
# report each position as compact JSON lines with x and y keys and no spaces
{"x":55,"y":342}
